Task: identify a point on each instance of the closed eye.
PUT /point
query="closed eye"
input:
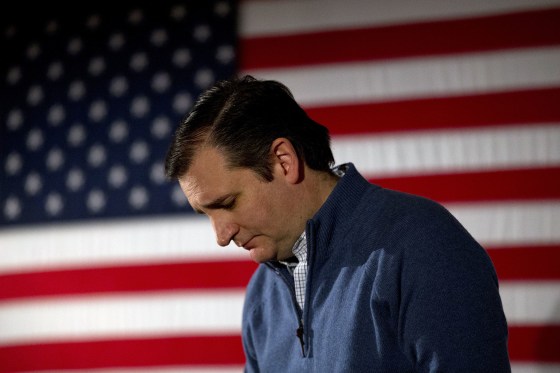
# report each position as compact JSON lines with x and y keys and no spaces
{"x":224,"y":203}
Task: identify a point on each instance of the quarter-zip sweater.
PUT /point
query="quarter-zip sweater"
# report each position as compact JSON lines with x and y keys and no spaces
{"x":395,"y":284}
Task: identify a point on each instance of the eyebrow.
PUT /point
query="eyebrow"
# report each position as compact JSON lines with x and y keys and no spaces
{"x":215,"y":204}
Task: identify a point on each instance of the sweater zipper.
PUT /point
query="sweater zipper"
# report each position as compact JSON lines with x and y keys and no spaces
{"x":300,"y":330}
{"x":299,"y":334}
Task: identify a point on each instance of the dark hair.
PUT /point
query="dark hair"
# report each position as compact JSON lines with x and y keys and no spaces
{"x":242,"y":117}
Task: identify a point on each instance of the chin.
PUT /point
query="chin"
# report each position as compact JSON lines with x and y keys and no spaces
{"x":261,"y":255}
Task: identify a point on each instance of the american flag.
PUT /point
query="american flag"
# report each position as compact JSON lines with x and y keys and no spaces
{"x":103,"y":265}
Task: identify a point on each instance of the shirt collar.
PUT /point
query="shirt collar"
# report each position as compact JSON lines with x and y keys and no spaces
{"x":299,"y":250}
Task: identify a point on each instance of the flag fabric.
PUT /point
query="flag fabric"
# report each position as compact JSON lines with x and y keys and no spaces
{"x":103,"y":265}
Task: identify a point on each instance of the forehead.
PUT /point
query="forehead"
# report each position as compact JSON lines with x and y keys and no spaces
{"x":209,"y":176}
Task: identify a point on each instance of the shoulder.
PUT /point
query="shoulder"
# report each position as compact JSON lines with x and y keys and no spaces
{"x":260,"y":287}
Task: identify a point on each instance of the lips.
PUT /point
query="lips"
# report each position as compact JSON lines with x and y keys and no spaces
{"x":247,"y":245}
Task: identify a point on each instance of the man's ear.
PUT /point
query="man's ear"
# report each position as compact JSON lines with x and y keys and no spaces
{"x":285,"y":160}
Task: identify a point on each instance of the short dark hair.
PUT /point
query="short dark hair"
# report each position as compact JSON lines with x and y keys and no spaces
{"x":242,"y":117}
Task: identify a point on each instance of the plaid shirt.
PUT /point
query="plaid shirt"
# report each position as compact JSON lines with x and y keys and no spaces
{"x":299,"y":269}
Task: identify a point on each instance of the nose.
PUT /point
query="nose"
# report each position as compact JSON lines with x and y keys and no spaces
{"x":225,"y":231}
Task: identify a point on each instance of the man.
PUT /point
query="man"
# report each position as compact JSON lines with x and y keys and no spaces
{"x":353,"y":277}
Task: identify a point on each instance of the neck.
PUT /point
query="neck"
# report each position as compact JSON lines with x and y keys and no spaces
{"x":319,"y":185}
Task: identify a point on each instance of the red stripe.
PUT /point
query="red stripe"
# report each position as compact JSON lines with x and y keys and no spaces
{"x":539,"y":343}
{"x":208,"y":275}
{"x":498,"y":185}
{"x":540,"y":263}
{"x":494,"y":109}
{"x":526,"y":263}
{"x":200,"y":350}
{"x":514,"y":30}
{"x":526,"y":344}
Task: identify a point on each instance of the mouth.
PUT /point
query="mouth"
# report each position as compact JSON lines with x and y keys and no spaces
{"x":247,"y":245}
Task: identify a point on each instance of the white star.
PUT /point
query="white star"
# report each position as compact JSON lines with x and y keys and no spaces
{"x":34,"y":139}
{"x":75,"y":46}
{"x":178,"y":197}
{"x":181,"y":57}
{"x":182,"y":103}
{"x":35,"y":95}
{"x":33,"y":51}
{"x":93,"y":21}
{"x":97,"y":111}
{"x":138,"y":197}
{"x":178,"y":12}
{"x":202,"y":33}
{"x":157,"y":175}
{"x":140,"y":106}
{"x":12,"y":208}
{"x":55,"y":159}
{"x":96,"y":66}
{"x":117,"y":176}
{"x":116,"y":41}
{"x":118,"y":131}
{"x":96,"y":201}
{"x":51,"y":27}
{"x":14,"y":75}
{"x":118,"y":86}
{"x":33,"y":183}
{"x":55,"y":70}
{"x":159,"y":37}
{"x":161,"y":82}
{"x":77,"y":90}
{"x":97,"y":155}
{"x":139,"y":151}
{"x":13,"y":164}
{"x":225,"y":54}
{"x":76,"y":134}
{"x":75,"y":179}
{"x":56,"y":115}
{"x":222,"y":8}
{"x":15,"y":119}
{"x":54,"y":204}
{"x":204,"y":78}
{"x":139,"y":61}
{"x":161,"y":127}
{"x":135,"y":17}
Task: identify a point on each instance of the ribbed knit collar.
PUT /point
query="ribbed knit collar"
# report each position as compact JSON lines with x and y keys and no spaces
{"x":336,"y":215}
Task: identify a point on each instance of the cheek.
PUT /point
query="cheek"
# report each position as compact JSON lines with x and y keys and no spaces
{"x":260,"y":213}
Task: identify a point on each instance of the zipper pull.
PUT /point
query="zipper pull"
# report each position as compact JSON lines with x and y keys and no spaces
{"x":299,"y":334}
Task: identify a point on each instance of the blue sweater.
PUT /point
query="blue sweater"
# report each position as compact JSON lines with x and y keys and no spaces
{"x":395,"y":284}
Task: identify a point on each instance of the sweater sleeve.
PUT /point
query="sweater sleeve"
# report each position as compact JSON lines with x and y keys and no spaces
{"x":251,"y":365}
{"x":450,"y":316}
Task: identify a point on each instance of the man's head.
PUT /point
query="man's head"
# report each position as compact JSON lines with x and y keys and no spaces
{"x":242,"y":117}
{"x":251,"y":159}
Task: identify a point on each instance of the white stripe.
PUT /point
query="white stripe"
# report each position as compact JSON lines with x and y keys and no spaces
{"x":511,"y":224}
{"x":117,"y":316}
{"x":534,"y":368}
{"x":191,"y":313}
{"x":431,"y":152}
{"x":259,"y":18}
{"x":86,"y":245}
{"x":531,"y":303}
{"x":419,"y":77}
{"x":98,"y":243}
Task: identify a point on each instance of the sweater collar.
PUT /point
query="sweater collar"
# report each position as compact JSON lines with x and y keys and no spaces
{"x":335,"y":216}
